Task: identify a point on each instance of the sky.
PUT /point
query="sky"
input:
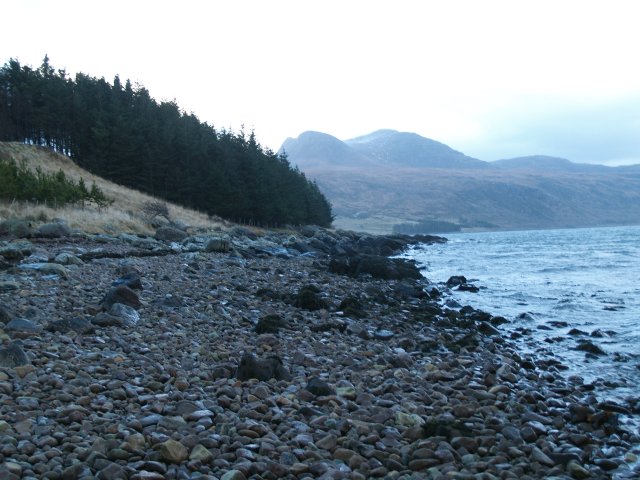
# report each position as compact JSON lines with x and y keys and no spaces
{"x":493,"y":79}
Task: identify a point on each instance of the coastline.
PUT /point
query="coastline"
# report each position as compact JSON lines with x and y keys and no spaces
{"x":379,"y":380}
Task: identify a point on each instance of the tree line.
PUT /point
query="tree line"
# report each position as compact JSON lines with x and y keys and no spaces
{"x":119,"y":132}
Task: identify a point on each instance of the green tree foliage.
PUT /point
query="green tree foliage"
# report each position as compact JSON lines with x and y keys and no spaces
{"x":17,"y":182}
{"x":120,"y":133}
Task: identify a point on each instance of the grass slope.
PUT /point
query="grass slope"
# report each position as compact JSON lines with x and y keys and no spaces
{"x":124,"y":215}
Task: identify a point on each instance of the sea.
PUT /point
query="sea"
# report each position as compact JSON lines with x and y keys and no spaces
{"x":557,"y":289}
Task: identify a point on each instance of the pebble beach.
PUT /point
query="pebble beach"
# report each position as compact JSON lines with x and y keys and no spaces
{"x":240,"y":356}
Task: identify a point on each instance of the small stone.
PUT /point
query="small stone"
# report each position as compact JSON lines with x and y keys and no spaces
{"x":577,"y":471}
{"x":319,"y":387}
{"x":349,"y":393}
{"x":173,"y":452}
{"x":233,"y":475}
{"x":12,"y":468}
{"x":327,"y":442}
{"x":202,"y":454}
{"x":408,"y":419}
{"x":541,"y":457}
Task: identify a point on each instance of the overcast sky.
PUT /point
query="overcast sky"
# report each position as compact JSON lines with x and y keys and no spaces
{"x":493,"y":79}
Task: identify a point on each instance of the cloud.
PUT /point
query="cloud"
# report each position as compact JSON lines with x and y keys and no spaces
{"x":603,"y":131}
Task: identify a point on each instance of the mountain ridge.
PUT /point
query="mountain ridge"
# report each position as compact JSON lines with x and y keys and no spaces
{"x":426,"y":180}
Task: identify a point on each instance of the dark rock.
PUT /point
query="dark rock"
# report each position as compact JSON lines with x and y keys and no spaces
{"x":319,"y":387}
{"x":329,"y":325}
{"x":5,"y":315}
{"x":268,"y":293}
{"x":487,"y":329}
{"x":497,"y":321}
{"x":456,"y":281}
{"x":351,"y":306}
{"x":22,"y":325}
{"x":261,"y":369}
{"x":53,"y":230}
{"x":13,"y":355}
{"x":468,"y":288}
{"x":170,"y":234}
{"x":590,"y":347}
{"x":271,"y":324}
{"x":375,"y":265}
{"x":575,"y":331}
{"x":129,"y":279}
{"x":76,"y":324}
{"x":121,"y":294}
{"x":308,"y":298}
{"x":103,"y":319}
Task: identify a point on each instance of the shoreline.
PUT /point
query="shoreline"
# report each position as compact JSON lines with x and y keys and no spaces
{"x":379,"y":380}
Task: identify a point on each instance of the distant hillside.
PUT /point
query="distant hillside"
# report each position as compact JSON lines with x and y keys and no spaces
{"x":407,"y":178}
{"x":543,"y":163}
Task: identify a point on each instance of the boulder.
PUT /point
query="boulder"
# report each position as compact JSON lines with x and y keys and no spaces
{"x":262,"y":369}
{"x":121,"y":294}
{"x":76,"y":324}
{"x":22,"y":327}
{"x":130,"y":279}
{"x":375,"y":265}
{"x":125,"y":313}
{"x":456,"y":281}
{"x":13,"y":356}
{"x":308,"y":298}
{"x":218,"y":245}
{"x":53,"y":230}
{"x":16,"y":227}
{"x":170,"y":234}
{"x":270,"y":324}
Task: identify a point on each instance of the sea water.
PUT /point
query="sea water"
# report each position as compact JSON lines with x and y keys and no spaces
{"x":550,"y":282}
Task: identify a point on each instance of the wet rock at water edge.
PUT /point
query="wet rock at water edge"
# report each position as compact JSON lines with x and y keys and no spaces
{"x":590,"y":347}
{"x":456,"y":281}
{"x":262,"y":369}
{"x":13,"y":355}
{"x":375,"y":265}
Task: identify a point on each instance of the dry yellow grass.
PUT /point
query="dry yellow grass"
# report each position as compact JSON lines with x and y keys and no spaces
{"x":124,"y":215}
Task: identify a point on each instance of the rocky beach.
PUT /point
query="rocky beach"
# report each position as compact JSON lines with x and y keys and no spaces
{"x":239,"y":354}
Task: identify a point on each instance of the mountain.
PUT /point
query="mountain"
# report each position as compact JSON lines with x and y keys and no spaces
{"x":318,"y":150}
{"x":383,"y":148}
{"x":405,"y":149}
{"x":388,"y":178}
